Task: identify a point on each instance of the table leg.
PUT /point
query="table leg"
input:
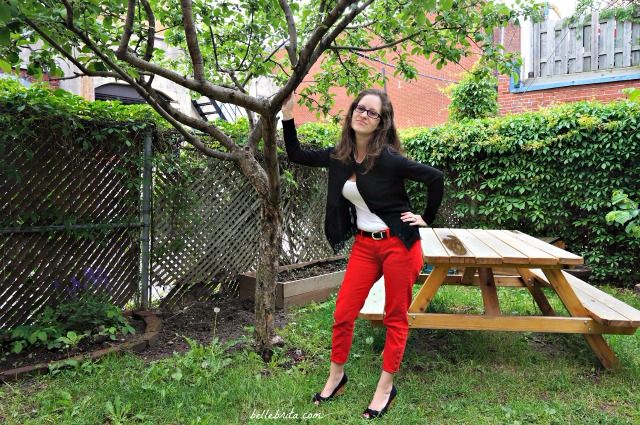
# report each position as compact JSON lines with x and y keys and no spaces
{"x":429,"y":288}
{"x":536,"y":292}
{"x":489,"y":292}
{"x":469,"y":273}
{"x":575,"y":308}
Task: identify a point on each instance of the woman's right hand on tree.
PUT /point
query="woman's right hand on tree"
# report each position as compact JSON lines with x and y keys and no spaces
{"x":287,"y":107}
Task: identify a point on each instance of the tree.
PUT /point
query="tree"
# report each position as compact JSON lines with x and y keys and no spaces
{"x":228,"y":44}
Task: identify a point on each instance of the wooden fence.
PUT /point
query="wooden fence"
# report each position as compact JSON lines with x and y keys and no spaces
{"x":69,"y":224}
{"x":591,"y":44}
{"x":206,"y":227}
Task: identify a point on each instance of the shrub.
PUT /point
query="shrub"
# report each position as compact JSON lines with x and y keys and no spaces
{"x":64,"y":325}
{"x":474,"y":96}
{"x":545,"y":173}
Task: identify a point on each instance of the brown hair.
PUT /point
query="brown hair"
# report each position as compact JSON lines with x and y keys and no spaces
{"x":384,"y":135}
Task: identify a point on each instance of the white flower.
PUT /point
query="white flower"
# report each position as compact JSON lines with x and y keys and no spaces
{"x":216,"y":310}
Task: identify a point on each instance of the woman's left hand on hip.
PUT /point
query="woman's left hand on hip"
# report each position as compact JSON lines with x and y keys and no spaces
{"x":412,"y":219}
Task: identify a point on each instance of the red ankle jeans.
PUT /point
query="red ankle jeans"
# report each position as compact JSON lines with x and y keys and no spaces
{"x":370,"y":259}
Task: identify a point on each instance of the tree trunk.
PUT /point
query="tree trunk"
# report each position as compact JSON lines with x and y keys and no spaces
{"x":270,"y":244}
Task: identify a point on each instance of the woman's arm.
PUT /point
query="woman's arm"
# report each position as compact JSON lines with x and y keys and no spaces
{"x":313,"y":158}
{"x":431,"y":177}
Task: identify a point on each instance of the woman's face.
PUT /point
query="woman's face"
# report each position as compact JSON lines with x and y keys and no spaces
{"x":361,"y":121}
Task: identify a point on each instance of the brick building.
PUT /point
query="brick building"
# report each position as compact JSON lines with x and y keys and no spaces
{"x":417,"y":103}
{"x":558,"y":66}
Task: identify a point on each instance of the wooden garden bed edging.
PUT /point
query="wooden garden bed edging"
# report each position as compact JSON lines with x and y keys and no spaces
{"x":148,"y":339}
{"x":296,"y":292}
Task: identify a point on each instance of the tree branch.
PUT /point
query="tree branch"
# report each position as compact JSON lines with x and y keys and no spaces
{"x":192,"y":40}
{"x":127,"y":30}
{"x":255,"y":137}
{"x":162,"y":107}
{"x":246,"y":53}
{"x":151,"y":31}
{"x":219,"y":93}
{"x":380,"y":47}
{"x":292,"y":47}
{"x":68,"y":55}
{"x":307,"y":56}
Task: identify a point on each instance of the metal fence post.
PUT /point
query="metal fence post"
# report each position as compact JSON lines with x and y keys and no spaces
{"x":145,"y":217}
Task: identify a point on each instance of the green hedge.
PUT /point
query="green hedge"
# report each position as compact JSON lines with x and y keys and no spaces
{"x":547,"y":173}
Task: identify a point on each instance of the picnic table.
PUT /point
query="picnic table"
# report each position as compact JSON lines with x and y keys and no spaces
{"x":508,"y":258}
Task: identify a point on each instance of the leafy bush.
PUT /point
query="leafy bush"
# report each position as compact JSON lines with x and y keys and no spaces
{"x":545,"y":173}
{"x":474,"y":96}
{"x":627,"y":212}
{"x":66,"y":324}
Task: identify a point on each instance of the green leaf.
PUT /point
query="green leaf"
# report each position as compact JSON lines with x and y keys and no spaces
{"x":5,"y":36}
{"x":5,"y":66}
{"x":5,"y":13}
{"x":446,"y":4}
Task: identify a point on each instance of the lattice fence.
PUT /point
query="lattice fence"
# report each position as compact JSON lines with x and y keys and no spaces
{"x":69,"y":223}
{"x":206,"y":226}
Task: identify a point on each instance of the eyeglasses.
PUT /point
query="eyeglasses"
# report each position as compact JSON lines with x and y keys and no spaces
{"x":370,"y":112}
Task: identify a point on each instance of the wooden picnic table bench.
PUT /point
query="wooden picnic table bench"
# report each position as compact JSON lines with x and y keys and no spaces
{"x":534,"y":264}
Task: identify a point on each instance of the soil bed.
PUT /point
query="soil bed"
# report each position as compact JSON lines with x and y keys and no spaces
{"x":35,"y":355}
{"x":311,"y":270}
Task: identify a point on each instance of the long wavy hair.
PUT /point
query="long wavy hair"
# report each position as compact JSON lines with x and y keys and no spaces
{"x":385,"y":135}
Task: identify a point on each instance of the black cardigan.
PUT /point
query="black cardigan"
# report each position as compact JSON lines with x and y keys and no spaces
{"x":382,"y":189}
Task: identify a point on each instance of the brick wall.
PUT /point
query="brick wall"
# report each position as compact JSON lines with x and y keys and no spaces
{"x":511,"y":103}
{"x":416,"y":103}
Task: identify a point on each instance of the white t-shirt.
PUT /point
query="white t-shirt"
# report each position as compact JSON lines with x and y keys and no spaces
{"x":367,"y":221}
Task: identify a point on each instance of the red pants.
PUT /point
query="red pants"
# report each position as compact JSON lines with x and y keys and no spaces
{"x":370,"y":259}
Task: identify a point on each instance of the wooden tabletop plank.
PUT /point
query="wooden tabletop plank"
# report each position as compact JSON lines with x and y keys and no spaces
{"x":432,"y":249}
{"x":458,"y":252}
{"x":565,"y":257}
{"x":536,"y":256}
{"x":484,"y":254}
{"x":509,"y":254}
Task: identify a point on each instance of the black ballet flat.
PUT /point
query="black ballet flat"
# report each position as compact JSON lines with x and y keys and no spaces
{"x":378,"y":414}
{"x":339,"y":389}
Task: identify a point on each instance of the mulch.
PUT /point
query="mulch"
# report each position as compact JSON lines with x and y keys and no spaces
{"x":196,"y":322}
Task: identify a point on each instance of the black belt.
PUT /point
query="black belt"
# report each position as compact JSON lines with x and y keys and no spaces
{"x":382,"y":234}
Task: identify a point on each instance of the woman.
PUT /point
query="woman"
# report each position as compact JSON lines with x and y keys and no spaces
{"x":366,"y":197}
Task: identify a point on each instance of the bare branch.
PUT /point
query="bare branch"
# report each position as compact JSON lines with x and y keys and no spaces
{"x":254,"y":137}
{"x":292,"y":47}
{"x":276,"y":50}
{"x":281,"y":68}
{"x":192,"y":40}
{"x":335,"y":32}
{"x":151,"y":30}
{"x":68,"y":56}
{"x":217,"y":92}
{"x":246,"y":53}
{"x":307,"y":56}
{"x":174,"y":117}
{"x":127,"y":31}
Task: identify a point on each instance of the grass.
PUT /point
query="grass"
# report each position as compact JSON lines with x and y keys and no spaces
{"x":447,"y":377}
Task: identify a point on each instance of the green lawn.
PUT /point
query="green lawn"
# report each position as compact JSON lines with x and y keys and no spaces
{"x":447,"y":377}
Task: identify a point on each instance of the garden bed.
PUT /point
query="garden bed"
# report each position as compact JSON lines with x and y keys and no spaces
{"x":299,"y":284}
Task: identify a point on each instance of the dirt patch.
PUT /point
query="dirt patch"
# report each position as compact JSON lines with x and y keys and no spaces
{"x":311,"y":270}
{"x":196,"y":322}
{"x":30,"y":356}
